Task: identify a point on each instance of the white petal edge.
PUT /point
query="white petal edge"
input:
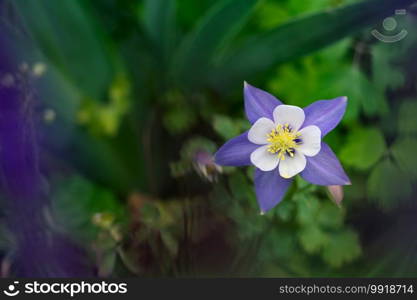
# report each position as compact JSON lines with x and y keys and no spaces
{"x":264,"y":160}
{"x":293,"y":115}
{"x":291,"y":166}
{"x":258,"y":133}
{"x":311,"y":140}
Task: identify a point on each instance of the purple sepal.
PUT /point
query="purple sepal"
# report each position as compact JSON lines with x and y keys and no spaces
{"x":270,"y":188}
{"x":258,"y":103}
{"x":325,"y":169}
{"x":325,"y":114}
{"x":236,"y":152}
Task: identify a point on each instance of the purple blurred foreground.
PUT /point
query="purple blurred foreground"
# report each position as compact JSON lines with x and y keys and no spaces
{"x":37,"y":251}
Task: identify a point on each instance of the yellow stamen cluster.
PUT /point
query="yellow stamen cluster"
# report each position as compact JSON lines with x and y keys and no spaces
{"x":282,"y":141}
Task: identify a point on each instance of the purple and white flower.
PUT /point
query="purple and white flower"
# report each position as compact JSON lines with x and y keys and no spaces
{"x":284,"y":141}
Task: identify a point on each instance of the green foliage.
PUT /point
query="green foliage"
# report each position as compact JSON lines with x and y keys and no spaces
{"x":215,"y":29}
{"x":363,"y":95}
{"x":381,"y":61}
{"x":299,"y":228}
{"x":342,"y":247}
{"x":285,"y":211}
{"x":326,"y":74}
{"x":321,"y":223}
{"x":163,"y":219}
{"x":308,"y":208}
{"x":257,"y":54}
{"x":388,"y":185}
{"x":364,"y":147}
{"x":330,"y":216}
{"x":406,"y":117}
{"x":228,"y":128}
{"x":78,"y":202}
{"x":105,"y":119}
{"x":404,"y":152}
{"x":159,"y":22}
{"x":313,"y":239}
{"x":273,"y":13}
{"x":178,"y":116}
{"x":68,"y":37}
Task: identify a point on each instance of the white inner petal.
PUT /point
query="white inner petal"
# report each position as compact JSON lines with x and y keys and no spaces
{"x":259,"y":131}
{"x":263,"y":159}
{"x":293,"y":115}
{"x":291,"y":166}
{"x":311,"y":140}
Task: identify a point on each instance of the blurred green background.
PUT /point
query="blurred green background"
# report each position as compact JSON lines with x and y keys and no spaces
{"x":136,"y":96}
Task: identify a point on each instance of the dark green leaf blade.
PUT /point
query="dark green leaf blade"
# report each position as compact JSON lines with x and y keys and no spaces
{"x":218,"y":25}
{"x":67,"y":35}
{"x":159,"y":23}
{"x":295,"y":38}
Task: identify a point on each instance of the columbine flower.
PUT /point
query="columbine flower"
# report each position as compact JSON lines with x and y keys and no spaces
{"x":284,"y":141}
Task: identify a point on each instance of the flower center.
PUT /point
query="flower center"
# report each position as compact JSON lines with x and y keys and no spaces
{"x":283,"y":141}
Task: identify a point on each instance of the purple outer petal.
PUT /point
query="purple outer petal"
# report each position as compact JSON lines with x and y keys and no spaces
{"x":258,"y":103}
{"x":270,"y":188}
{"x":325,"y":114}
{"x":236,"y":152}
{"x":325,"y":169}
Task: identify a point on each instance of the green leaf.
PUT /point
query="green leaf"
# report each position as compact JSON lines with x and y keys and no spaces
{"x":381,"y":62}
{"x":307,"y":209}
{"x":179,"y":115}
{"x":272,"y":13}
{"x":326,"y":75}
{"x":76,"y":202}
{"x":217,"y":27}
{"x":67,"y":35}
{"x":404,"y":152}
{"x":241,"y":188}
{"x":388,"y":185}
{"x":278,"y":243}
{"x":159,"y":22}
{"x":312,"y":239}
{"x":343,"y":247}
{"x":190,"y":11}
{"x":304,"y":185}
{"x":364,"y":147}
{"x":299,"y":37}
{"x":285,"y":210}
{"x":407,"y":117}
{"x":330,"y":216}
{"x":178,"y":120}
{"x":361,"y":92}
{"x":106,"y":162}
{"x":225,"y":127}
